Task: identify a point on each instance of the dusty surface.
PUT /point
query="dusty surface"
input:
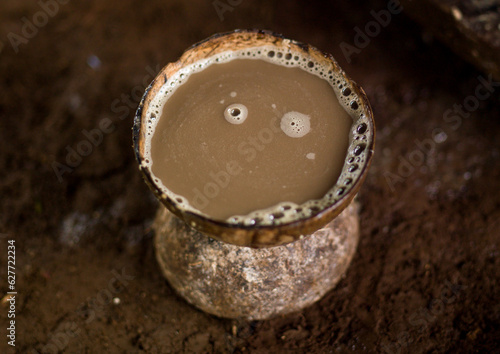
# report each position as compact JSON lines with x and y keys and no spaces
{"x":425,"y":277}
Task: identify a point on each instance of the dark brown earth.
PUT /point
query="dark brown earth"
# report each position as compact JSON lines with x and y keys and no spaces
{"x":426,"y":274}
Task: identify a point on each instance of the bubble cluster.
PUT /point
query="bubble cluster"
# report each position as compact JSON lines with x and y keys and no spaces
{"x":293,"y":124}
{"x":236,"y":113}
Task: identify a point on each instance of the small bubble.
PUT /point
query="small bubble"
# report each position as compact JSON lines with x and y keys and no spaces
{"x":271,"y":54}
{"x":178,"y":200}
{"x":295,"y":124}
{"x":350,"y":160}
{"x":310,"y":64}
{"x":354,"y":105}
{"x":353,"y":168}
{"x":236,"y":113}
{"x":346,"y":91}
{"x":277,"y":215}
{"x":288,"y":56}
{"x":256,"y":221}
{"x":348,"y":181}
{"x":359,"y":149}
{"x":340,"y":191}
{"x":279,"y":54}
{"x":361,"y":129}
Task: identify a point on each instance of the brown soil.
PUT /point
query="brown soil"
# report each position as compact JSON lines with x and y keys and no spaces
{"x":425,"y":277}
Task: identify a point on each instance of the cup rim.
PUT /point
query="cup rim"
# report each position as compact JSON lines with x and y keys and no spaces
{"x":240,"y":234}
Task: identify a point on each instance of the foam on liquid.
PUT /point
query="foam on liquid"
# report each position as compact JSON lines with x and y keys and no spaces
{"x":294,"y":124}
{"x":236,"y":113}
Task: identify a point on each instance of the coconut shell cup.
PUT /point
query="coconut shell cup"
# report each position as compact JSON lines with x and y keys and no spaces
{"x":355,"y":168}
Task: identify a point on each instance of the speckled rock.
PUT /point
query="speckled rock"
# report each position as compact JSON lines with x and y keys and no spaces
{"x":241,"y":282}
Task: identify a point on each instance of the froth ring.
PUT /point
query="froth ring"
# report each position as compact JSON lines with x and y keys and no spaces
{"x":236,"y":113}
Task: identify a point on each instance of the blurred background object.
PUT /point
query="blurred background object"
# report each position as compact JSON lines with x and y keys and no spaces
{"x":470,"y":27}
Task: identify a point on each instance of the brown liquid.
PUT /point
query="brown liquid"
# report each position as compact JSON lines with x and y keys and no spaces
{"x":226,"y":169}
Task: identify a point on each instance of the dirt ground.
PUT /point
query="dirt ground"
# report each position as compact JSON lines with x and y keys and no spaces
{"x":425,"y":277}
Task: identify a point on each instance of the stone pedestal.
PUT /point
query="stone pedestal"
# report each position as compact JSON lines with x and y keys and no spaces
{"x":242,"y":282}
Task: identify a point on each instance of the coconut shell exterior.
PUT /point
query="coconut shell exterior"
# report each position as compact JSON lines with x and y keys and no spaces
{"x":254,"y":284}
